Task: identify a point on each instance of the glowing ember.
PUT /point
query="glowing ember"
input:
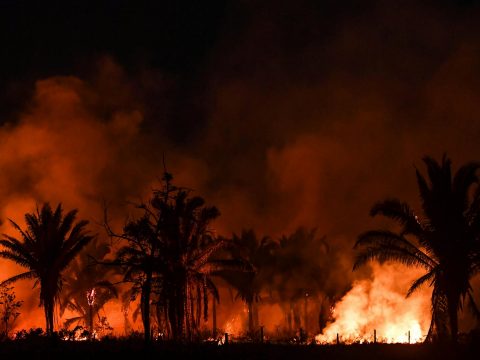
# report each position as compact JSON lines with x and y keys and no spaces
{"x":380,"y":305}
{"x":79,"y":334}
{"x":91,"y":297}
{"x":234,"y":325}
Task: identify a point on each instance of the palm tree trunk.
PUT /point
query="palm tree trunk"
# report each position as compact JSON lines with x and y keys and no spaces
{"x":289,"y":320}
{"x":168,"y":331}
{"x":179,"y":303}
{"x":199,"y":308}
{"x":187,"y":313}
{"x":5,"y":320}
{"x":145,"y":306}
{"x":48,"y":307}
{"x":172,"y":317}
{"x":250,"y":317}
{"x":453,"y":317}
{"x":214,"y":318}
{"x":47,"y":325}
{"x":160,"y":323}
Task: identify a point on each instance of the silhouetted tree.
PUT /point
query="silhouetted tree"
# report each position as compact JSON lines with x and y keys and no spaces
{"x":187,"y":247}
{"x":9,"y":309}
{"x":259,"y":255}
{"x":46,"y":247}
{"x":170,"y":250}
{"x":300,"y":272}
{"x":444,"y":240}
{"x":139,"y":260}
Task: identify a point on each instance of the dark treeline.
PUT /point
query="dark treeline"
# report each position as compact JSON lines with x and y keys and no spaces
{"x":170,"y":258}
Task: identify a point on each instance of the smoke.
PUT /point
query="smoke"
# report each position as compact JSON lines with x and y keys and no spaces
{"x":312,"y":128}
{"x":62,"y":150}
{"x":317,"y":113}
{"x":309,"y":114}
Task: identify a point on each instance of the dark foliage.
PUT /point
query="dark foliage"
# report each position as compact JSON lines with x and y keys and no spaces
{"x":444,"y":240}
{"x":46,"y":248}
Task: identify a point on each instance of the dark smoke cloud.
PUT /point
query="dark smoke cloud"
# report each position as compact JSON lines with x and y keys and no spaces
{"x":317,"y":113}
{"x":71,"y":145}
{"x":311,"y":123}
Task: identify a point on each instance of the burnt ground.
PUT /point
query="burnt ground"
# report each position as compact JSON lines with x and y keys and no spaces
{"x":124,"y":349}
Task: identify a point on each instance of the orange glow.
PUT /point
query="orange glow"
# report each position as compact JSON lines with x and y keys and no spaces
{"x":63,"y":149}
{"x":380,"y":305}
{"x":234,"y":325}
{"x":91,"y":297}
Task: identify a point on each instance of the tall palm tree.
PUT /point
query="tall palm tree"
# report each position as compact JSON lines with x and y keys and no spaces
{"x":259,"y":255}
{"x":444,"y":240}
{"x":138,"y":258}
{"x":188,"y":247}
{"x":169,"y":253}
{"x":46,"y":247}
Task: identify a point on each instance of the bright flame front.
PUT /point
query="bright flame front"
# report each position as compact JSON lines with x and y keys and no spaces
{"x":380,"y":306}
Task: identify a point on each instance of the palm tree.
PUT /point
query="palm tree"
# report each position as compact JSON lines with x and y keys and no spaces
{"x":444,"y":240}
{"x":139,"y":258}
{"x":188,"y":247}
{"x":259,"y":255}
{"x":46,"y":248}
{"x":169,"y":253}
{"x":302,"y":268}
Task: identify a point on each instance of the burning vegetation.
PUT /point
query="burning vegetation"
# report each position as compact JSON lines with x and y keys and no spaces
{"x":377,"y":311}
{"x":175,"y":271}
{"x":292,"y":141}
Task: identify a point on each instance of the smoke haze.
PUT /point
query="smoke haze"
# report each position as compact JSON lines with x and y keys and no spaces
{"x":302,"y":115}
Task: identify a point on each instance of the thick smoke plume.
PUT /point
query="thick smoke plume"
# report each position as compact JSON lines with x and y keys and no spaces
{"x":62,"y":150}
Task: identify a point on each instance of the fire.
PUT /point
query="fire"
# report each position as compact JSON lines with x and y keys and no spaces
{"x":379,"y":306}
{"x":91,"y":296}
{"x":79,"y":334}
{"x":234,"y":325}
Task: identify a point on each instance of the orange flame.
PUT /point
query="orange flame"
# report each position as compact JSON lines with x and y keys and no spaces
{"x":380,"y":306}
{"x":91,"y":297}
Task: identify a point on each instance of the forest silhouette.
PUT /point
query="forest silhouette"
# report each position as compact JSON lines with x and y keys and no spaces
{"x":169,"y":256}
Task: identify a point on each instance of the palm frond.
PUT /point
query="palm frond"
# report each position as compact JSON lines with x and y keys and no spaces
{"x":421,"y":281}
{"x":18,"y":248}
{"x":68,"y":322}
{"x":28,"y":275}
{"x":400,"y":212}
{"x":18,"y":259}
{"x":67,"y":223}
{"x":386,"y":245}
{"x":67,"y":257}
{"x":472,"y":305}
{"x":77,"y":232}
{"x":423,"y":188}
{"x":207,"y":252}
{"x":213,"y":267}
{"x":24,"y":235}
